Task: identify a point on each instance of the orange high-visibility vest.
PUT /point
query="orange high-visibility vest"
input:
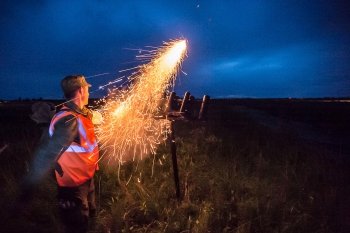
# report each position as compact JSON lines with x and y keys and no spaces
{"x":79,"y":160}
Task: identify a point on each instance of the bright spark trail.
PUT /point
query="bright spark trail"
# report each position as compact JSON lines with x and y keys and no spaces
{"x":130,"y":130}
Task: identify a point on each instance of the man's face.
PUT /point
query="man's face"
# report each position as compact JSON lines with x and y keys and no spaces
{"x":85,"y":95}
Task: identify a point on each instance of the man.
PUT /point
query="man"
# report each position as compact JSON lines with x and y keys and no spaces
{"x":73,"y":152}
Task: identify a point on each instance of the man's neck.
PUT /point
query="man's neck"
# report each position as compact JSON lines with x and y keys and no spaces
{"x":78,"y":103}
{"x":76,"y":108}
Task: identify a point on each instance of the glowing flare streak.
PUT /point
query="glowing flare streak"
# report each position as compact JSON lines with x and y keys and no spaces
{"x":130,"y":130}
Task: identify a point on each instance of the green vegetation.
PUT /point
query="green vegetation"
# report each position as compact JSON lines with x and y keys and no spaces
{"x":235,"y":176}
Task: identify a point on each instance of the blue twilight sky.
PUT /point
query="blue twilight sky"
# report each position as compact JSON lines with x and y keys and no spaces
{"x":237,"y":48}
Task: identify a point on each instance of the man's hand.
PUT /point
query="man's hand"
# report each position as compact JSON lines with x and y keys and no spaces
{"x":58,"y":169}
{"x":97,"y":118}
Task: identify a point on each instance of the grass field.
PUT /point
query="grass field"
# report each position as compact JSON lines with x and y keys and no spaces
{"x":252,"y":166}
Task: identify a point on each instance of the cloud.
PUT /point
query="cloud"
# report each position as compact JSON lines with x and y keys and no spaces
{"x":234,"y":46}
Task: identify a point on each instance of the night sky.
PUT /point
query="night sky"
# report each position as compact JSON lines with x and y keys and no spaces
{"x":238,"y":48}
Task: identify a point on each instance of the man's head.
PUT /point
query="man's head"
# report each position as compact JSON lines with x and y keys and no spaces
{"x":74,"y":85}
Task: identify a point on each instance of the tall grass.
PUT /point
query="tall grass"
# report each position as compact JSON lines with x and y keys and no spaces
{"x":235,"y":176}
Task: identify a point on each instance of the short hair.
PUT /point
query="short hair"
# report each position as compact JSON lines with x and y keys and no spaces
{"x":70,"y":95}
{"x":71,"y":83}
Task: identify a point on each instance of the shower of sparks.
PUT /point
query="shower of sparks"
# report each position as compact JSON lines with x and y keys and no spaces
{"x":111,"y":83}
{"x":130,"y":130}
{"x":97,"y":75}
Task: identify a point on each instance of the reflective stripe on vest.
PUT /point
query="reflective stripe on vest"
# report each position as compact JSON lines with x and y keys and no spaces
{"x":79,"y":160}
